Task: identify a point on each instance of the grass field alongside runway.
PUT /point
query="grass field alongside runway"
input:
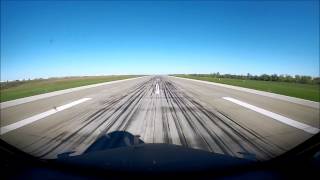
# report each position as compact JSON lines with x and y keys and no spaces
{"x":15,"y":90}
{"x":304,"y":91}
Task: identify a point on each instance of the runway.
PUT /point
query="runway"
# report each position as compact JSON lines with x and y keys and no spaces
{"x":161,"y":109}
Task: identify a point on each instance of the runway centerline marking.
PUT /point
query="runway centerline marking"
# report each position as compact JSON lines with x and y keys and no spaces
{"x":157,"y":89}
{"x":37,"y":117}
{"x":278,"y":117}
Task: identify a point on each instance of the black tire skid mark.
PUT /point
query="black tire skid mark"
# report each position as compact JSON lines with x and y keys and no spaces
{"x":132,"y":96}
{"x":239,"y":128}
{"x":179,"y":101}
{"x":45,"y":142}
{"x":222,"y":145}
{"x":254,"y":133}
{"x":210,"y":114}
{"x":175,"y":117}
{"x":164,"y":118}
{"x":215,"y":137}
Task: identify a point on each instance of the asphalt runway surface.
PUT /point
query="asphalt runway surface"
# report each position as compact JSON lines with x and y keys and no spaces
{"x":161,"y":109}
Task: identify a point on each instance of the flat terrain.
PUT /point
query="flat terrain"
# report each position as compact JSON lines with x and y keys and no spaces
{"x":15,"y":90}
{"x":160,"y":109}
{"x":304,"y":91}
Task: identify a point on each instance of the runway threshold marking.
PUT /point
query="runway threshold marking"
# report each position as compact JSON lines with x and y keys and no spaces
{"x":37,"y":117}
{"x":278,"y":117}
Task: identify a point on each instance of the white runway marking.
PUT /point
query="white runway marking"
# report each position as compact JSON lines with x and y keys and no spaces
{"x":303,"y":102}
{"x":37,"y":117}
{"x":285,"y":120}
{"x":157,"y":89}
{"x":60,"y":92}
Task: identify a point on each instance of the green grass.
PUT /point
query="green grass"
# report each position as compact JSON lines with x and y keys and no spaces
{"x":15,"y":90}
{"x":304,"y":91}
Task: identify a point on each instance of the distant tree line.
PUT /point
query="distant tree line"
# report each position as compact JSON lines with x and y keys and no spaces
{"x":265,"y":77}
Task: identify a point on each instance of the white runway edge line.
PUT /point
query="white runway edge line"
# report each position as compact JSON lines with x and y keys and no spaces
{"x":295,"y":100}
{"x":285,"y":120}
{"x":37,"y":117}
{"x":60,"y":92}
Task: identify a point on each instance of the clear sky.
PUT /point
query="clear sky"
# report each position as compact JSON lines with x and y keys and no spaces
{"x":45,"y":39}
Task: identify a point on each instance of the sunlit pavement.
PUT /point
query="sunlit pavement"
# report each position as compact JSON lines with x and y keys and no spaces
{"x":161,"y":109}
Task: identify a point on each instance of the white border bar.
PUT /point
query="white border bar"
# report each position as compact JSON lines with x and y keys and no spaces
{"x":55,"y":93}
{"x":285,"y":120}
{"x":37,"y":117}
{"x":295,"y":100}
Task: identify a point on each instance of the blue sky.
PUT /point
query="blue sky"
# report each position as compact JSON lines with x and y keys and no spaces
{"x":45,"y":39}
